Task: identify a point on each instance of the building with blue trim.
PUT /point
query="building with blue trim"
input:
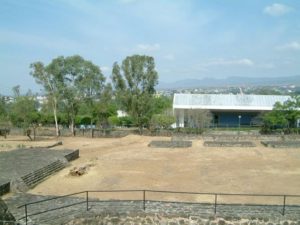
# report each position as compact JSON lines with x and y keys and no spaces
{"x":227,"y":110}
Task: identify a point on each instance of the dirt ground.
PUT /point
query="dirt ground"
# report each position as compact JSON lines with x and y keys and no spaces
{"x":128,"y":163}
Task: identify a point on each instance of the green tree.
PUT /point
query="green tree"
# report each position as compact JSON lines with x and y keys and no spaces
{"x":105,"y":107}
{"x":90,"y":86}
{"x":162,"y":121}
{"x":3,"y":111}
{"x":284,"y":115}
{"x":50,"y":77}
{"x":162,"y":104}
{"x":24,"y":113}
{"x":67,"y":81}
{"x":134,"y":83}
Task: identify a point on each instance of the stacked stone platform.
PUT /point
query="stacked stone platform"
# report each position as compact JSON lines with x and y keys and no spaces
{"x":22,"y":169}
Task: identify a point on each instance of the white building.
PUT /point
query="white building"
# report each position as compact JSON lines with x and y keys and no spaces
{"x":226,"y":109}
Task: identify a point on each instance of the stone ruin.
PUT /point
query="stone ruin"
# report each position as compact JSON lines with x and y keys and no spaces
{"x":282,"y":144}
{"x":170,"y":144}
{"x":229,"y":144}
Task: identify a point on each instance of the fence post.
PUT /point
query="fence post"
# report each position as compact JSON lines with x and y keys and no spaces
{"x":26,"y":214}
{"x":87,"y":201}
{"x":144,"y":199}
{"x":283,"y":209}
{"x":216,"y":199}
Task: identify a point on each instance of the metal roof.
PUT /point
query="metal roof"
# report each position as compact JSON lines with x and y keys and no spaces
{"x":227,"y":101}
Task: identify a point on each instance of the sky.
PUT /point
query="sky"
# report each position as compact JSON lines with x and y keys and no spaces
{"x":189,"y":39}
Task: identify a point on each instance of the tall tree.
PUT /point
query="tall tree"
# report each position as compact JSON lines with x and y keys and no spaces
{"x":90,"y":85}
{"x":105,"y":107}
{"x":68,"y":80}
{"x":50,"y":77}
{"x":135,"y":83}
{"x":3,"y":111}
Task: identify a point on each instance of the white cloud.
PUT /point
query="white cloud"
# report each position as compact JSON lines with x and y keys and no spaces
{"x":232,"y":62}
{"x":277,"y":9}
{"x":290,"y":46}
{"x":148,"y":47}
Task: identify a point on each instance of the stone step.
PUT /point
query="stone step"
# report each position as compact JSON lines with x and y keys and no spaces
{"x":41,"y":170}
{"x":30,"y":182}
{"x":37,"y":176}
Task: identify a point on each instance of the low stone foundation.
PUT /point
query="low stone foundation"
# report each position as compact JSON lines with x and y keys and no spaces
{"x":109,"y":133}
{"x":281,"y":144}
{"x":72,"y":156}
{"x":229,"y":144}
{"x":170,"y":144}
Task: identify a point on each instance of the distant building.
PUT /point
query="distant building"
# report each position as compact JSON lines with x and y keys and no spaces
{"x":121,"y":113}
{"x":228,"y":110}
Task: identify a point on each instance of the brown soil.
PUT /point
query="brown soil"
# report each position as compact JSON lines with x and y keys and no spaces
{"x":128,"y":163}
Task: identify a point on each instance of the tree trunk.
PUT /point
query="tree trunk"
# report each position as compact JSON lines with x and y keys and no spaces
{"x":55,"y":117}
{"x":34,"y":132}
{"x":72,"y":127}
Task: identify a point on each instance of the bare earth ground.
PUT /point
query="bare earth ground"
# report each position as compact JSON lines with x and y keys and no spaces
{"x":128,"y":163}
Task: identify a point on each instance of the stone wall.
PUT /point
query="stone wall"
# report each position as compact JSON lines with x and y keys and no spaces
{"x":229,"y":144}
{"x":170,"y":144}
{"x":72,"y":156}
{"x":282,"y":144}
{"x":137,"y":219}
{"x":184,"y":213}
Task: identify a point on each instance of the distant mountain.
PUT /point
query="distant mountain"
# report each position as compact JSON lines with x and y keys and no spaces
{"x":231,"y":81}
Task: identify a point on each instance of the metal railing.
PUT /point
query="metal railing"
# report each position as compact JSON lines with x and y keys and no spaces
{"x":143,"y":194}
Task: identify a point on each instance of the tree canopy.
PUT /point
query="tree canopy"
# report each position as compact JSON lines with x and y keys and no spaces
{"x":283,"y":116}
{"x":134,"y":83}
{"x":67,"y":81}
